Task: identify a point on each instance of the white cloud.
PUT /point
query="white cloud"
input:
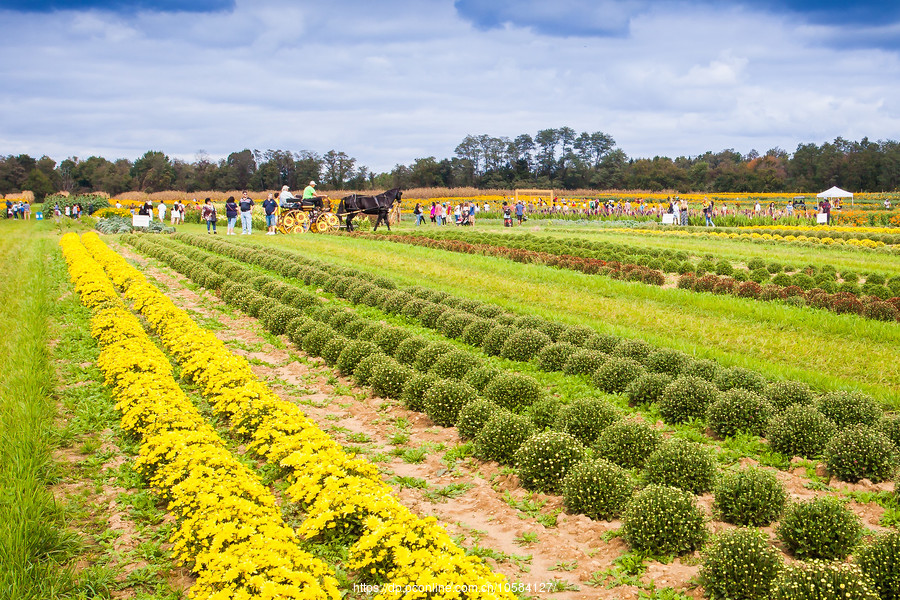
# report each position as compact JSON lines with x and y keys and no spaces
{"x":390,"y":82}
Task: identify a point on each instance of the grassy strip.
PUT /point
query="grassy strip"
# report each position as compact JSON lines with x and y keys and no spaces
{"x":825,"y":350}
{"x":33,"y":543}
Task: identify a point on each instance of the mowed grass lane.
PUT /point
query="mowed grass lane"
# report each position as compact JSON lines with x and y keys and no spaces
{"x":33,"y":543}
{"x":828,"y":351}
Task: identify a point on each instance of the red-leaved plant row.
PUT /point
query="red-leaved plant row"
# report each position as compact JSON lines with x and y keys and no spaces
{"x":843,"y":302}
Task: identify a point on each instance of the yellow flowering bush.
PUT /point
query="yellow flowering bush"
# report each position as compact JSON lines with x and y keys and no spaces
{"x":228,"y":525}
{"x":343,"y":497}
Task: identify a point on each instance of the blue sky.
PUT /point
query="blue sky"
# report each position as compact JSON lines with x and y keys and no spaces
{"x":392,"y":81}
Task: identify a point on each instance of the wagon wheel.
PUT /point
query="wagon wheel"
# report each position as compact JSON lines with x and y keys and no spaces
{"x":323,"y":222}
{"x":333,"y":221}
{"x":293,"y":221}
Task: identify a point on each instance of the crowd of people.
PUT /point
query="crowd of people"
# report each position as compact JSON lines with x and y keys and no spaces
{"x":18,"y":209}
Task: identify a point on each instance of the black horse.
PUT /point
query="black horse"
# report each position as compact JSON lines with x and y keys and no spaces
{"x":380,"y":205}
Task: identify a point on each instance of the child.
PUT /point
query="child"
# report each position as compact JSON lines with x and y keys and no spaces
{"x":507,"y":215}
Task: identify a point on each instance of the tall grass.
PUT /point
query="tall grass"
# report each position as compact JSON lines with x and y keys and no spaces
{"x":33,"y":544}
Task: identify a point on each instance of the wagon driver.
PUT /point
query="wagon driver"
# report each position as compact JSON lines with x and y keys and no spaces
{"x":310,"y":195}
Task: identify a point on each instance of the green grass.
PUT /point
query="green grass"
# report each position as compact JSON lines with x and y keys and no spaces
{"x":826,"y":350}
{"x":34,"y":546}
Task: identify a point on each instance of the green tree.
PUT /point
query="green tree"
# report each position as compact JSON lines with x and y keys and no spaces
{"x":38,"y":182}
{"x":153,"y":172}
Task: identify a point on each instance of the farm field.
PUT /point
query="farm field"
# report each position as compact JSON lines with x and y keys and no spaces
{"x":327,"y":416}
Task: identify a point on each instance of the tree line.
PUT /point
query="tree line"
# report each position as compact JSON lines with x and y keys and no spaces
{"x":553,"y":158}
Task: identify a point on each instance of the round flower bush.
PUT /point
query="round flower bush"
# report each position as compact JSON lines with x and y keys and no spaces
{"x":682,"y":464}
{"x":445,"y":399}
{"x":414,"y":389}
{"x":889,"y":425}
{"x":544,"y":459}
{"x":637,"y":350}
{"x":783,"y":394}
{"x":480,"y":377}
{"x":596,"y":488}
{"x":672,"y":362}
{"x":315,"y":340}
{"x":800,"y":430}
{"x":414,"y":308}
{"x":453,"y":365}
{"x":454,"y":324}
{"x":363,"y":370}
{"x":603,"y":342}
{"x":686,"y":398}
{"x":576,"y":335}
{"x":408,"y":349}
{"x":473,"y":416}
{"x":740,"y":564}
{"x":586,"y":418}
{"x":545,"y":412}
{"x":615,"y":375}
{"x":388,"y":378}
{"x":662,"y":520}
{"x":475,"y":331}
{"x":332,"y":349}
{"x":513,"y":391}
{"x":861,"y":452}
{"x":585,"y":362}
{"x":432,"y":314}
{"x":628,"y":443}
{"x":555,"y":356}
{"x":750,"y":497}
{"x":819,"y":528}
{"x":524,"y":344}
{"x":647,"y":389}
{"x":704,"y":369}
{"x":738,"y":411}
{"x":817,"y":580}
{"x":738,"y":377}
{"x":390,"y":338}
{"x":430,"y":353}
{"x":849,"y":408}
{"x":354,"y":352}
{"x":502,"y":435}
{"x":880,"y":561}
{"x":493,"y":342}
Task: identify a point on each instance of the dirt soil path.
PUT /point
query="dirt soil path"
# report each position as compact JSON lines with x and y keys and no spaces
{"x":525,"y":536}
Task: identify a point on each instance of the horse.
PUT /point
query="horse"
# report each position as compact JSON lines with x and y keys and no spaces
{"x":355,"y":204}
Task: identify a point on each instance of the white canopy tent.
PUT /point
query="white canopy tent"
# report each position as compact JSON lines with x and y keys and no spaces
{"x":836,"y":192}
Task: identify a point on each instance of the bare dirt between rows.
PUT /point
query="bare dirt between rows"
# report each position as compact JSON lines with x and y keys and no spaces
{"x":481,"y":515}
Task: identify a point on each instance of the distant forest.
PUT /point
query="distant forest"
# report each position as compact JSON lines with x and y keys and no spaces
{"x":553,"y":158}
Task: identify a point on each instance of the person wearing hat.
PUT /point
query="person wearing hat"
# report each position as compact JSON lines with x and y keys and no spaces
{"x":310,"y":195}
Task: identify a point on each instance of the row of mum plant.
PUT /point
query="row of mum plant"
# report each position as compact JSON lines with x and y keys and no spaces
{"x":731,"y":401}
{"x":664,"y":260}
{"x":228,"y":525}
{"x":343,"y":497}
{"x":809,"y":286}
{"x":595,"y":478}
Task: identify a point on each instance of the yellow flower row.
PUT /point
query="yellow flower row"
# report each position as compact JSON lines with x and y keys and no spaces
{"x":837,"y":228}
{"x":229,"y":525}
{"x":772,"y":237}
{"x":342,"y":496}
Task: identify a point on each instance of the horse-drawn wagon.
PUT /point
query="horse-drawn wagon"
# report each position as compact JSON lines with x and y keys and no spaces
{"x":318,"y":216}
{"x":300,"y":217}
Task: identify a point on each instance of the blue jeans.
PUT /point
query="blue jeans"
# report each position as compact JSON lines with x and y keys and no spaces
{"x":271,"y":220}
{"x":246,"y":222}
{"x":419,"y":219}
{"x":709,"y":221}
{"x":231,"y":222}
{"x":210,"y":224}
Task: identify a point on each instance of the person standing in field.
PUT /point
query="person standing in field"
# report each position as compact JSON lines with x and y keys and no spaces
{"x":433,"y":211}
{"x":246,"y":205}
{"x":208,"y":214}
{"x":231,"y":213}
{"x":270,"y":206}
{"x":417,"y":211}
{"x":174,"y":217}
{"x":520,"y":212}
{"x":162,"y":212}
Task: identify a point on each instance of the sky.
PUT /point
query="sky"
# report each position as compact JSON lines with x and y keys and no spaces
{"x":391,"y":81}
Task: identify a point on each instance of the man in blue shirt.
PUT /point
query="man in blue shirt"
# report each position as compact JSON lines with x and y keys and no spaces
{"x":270,"y":206}
{"x":520,"y":211}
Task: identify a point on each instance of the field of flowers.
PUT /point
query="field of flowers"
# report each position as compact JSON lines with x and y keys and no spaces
{"x":544,"y":412}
